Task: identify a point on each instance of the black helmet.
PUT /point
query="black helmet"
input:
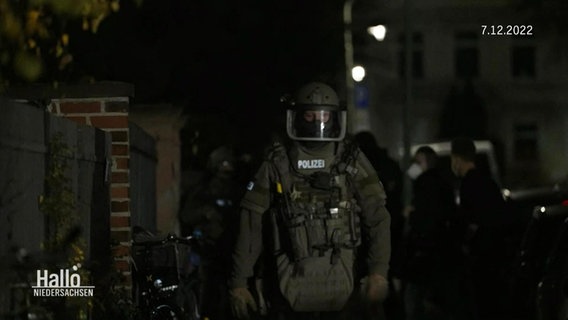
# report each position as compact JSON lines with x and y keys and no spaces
{"x":315,"y":115}
{"x":222,"y":160}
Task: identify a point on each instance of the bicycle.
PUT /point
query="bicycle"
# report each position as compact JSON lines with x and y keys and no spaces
{"x":165,"y":280}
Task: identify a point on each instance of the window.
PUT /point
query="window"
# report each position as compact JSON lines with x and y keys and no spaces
{"x":417,"y":56}
{"x":523,"y":62}
{"x":526,"y":141}
{"x":466,"y":55}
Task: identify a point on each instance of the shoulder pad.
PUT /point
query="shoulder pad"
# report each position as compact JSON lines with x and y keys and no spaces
{"x":275,"y":150}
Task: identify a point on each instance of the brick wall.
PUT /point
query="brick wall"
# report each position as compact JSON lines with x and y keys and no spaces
{"x":109,"y":114}
{"x":106,"y":106}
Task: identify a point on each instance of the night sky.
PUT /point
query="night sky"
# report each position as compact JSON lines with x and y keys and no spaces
{"x":215,"y":55}
{"x":226,"y":62}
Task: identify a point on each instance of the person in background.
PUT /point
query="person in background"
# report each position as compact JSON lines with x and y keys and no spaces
{"x":391,"y":176}
{"x":482,"y":210}
{"x":209,"y":214}
{"x":431,"y":247}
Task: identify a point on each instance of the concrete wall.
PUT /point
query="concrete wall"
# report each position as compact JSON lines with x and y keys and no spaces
{"x":163,"y":122}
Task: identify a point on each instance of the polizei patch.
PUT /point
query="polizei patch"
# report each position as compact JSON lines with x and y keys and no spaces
{"x":311,"y":164}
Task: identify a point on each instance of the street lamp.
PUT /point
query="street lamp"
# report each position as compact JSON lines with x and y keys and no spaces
{"x":408,"y":96}
{"x":348,"y":50}
{"x":378,"y":31}
{"x":358,"y":73}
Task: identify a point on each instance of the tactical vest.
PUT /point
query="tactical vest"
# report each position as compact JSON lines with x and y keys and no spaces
{"x":318,"y":219}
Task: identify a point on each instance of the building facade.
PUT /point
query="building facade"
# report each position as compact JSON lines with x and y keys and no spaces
{"x":487,"y":69}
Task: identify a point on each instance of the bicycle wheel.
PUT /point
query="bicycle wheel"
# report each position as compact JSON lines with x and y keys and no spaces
{"x":165,"y":312}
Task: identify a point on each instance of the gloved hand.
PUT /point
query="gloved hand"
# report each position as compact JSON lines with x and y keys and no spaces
{"x":241,"y":300}
{"x":376,"y":288}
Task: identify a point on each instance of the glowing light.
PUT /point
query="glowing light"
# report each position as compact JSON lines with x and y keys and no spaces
{"x":378,"y":31}
{"x":358,"y":73}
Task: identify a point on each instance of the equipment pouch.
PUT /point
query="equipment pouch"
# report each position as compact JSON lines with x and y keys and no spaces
{"x":320,"y":285}
{"x":320,"y":180}
{"x":299,"y":241}
{"x":316,"y":231}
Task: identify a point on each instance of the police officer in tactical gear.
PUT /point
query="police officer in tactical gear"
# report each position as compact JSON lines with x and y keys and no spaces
{"x":315,"y":208}
{"x":209,"y":213}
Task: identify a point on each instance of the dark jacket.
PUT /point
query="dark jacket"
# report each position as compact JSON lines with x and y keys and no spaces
{"x":482,"y":204}
{"x":431,"y":240}
{"x":434,"y":207}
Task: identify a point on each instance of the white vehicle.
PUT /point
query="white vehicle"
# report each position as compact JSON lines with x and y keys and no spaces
{"x":485,"y":159}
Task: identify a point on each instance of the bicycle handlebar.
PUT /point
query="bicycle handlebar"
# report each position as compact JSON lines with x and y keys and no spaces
{"x":170,"y":238}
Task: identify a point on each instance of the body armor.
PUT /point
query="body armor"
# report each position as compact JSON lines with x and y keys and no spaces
{"x":319,"y":208}
{"x":316,"y":223}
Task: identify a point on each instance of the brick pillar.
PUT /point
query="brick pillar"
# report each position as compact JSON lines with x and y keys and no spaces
{"x":109,"y":114}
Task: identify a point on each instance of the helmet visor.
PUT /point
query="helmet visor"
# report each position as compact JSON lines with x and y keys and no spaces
{"x":321,"y":124}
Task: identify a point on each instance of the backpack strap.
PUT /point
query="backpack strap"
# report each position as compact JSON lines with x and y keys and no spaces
{"x":278,"y":158}
{"x":347,"y":162}
{"x":346,"y":158}
{"x":280,"y":166}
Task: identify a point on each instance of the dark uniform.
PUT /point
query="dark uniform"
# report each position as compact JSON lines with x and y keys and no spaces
{"x":209,"y":213}
{"x":342,"y":205}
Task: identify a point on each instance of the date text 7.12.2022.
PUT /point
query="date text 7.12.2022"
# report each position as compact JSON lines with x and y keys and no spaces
{"x":506,"y":30}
